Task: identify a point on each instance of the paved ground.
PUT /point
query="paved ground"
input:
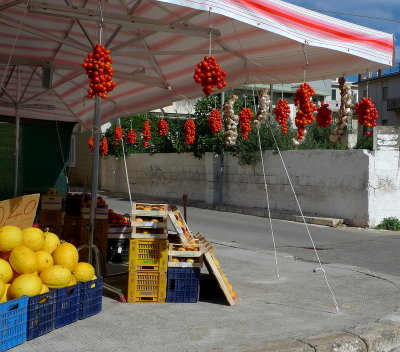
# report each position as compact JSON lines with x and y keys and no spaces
{"x":294,"y":313}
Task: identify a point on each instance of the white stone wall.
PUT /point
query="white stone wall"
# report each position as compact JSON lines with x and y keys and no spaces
{"x":359,"y":186}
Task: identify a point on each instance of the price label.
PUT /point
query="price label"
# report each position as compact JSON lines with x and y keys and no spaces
{"x":20,"y":211}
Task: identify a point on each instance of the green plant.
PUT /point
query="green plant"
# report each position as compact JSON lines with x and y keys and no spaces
{"x":391,"y":223}
{"x":364,"y":142}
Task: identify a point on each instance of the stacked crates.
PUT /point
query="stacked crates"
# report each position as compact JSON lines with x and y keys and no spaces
{"x":148,"y":253}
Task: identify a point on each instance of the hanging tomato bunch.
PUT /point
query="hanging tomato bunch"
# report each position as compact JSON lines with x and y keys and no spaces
{"x":190,"y":132}
{"x":367,"y":113}
{"x":324,"y":116}
{"x":282,"y":114}
{"x":90,"y":143}
{"x":245,"y":117}
{"x":306,"y":108}
{"x":99,"y":70}
{"x":118,"y":135}
{"x":131,"y":137}
{"x":162,"y":127}
{"x":103,"y":146}
{"x":209,"y":74}
{"x":146,"y":134}
{"x":215,"y":121}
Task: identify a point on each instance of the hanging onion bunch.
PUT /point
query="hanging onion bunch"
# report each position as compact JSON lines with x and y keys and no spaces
{"x":231,"y":121}
{"x":263,"y":108}
{"x":345,"y":111}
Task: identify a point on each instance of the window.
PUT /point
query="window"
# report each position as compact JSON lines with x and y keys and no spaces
{"x":384,"y":122}
{"x":72,"y":152}
{"x":333,"y":94}
{"x":385,"y":93}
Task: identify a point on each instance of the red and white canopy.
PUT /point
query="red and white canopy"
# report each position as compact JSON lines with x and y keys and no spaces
{"x":156,"y":44}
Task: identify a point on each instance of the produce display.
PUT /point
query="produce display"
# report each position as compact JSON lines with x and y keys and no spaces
{"x":282,"y":114}
{"x":35,"y":262}
{"x":162,"y":127}
{"x":264,"y":103}
{"x":190,"y":132}
{"x":99,"y":70}
{"x":131,"y":137}
{"x":146,"y":134}
{"x":345,"y":111}
{"x":231,"y":121}
{"x":215,"y":121}
{"x":367,"y":113}
{"x":115,"y":218}
{"x":305,"y":111}
{"x":245,"y":117}
{"x":118,"y":135}
{"x":209,"y":74}
{"x":324,"y":116}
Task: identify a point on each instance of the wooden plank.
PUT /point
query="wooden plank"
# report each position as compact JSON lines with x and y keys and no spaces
{"x":215,"y":269}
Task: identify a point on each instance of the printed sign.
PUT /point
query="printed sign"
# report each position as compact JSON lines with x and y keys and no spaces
{"x":20,"y":211}
{"x":386,"y":138}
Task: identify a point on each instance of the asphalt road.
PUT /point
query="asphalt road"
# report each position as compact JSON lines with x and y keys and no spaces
{"x":377,"y":251}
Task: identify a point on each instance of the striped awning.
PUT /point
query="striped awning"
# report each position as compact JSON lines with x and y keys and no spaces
{"x":156,"y":44}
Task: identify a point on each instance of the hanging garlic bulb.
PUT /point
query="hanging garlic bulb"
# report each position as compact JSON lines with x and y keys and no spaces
{"x":345,"y":111}
{"x":231,"y":121}
{"x":263,"y":108}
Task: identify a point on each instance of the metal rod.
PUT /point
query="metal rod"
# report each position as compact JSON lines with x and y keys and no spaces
{"x":16,"y":156}
{"x":95,"y":173}
{"x":185,"y":202}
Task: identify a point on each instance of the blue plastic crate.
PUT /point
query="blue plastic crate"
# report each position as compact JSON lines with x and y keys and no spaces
{"x":41,"y":314}
{"x":183,"y":285}
{"x":68,"y":305}
{"x":91,"y":298}
{"x":13,"y":322}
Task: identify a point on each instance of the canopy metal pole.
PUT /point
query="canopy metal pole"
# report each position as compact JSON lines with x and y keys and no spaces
{"x":95,"y":174}
{"x":16,"y":156}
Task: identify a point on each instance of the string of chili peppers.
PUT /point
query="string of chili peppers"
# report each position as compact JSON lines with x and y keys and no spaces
{"x":367,"y":113}
{"x":305,"y":111}
{"x":103,"y":146}
{"x":324,"y":116}
{"x":215,"y":120}
{"x":118,"y":135}
{"x":209,"y":74}
{"x":245,"y":117}
{"x":91,"y":144}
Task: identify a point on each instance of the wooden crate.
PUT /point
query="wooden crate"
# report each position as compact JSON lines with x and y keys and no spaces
{"x":149,"y":224}
{"x":50,"y":218}
{"x":71,"y":229}
{"x":51,"y":203}
{"x":191,"y":257}
{"x":180,"y":225}
{"x":101,"y":212}
{"x":149,"y":209}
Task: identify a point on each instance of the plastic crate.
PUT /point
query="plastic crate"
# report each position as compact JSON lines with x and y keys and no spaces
{"x":91,"y":298}
{"x":41,"y":314}
{"x":148,"y":255}
{"x":183,"y":285}
{"x":147,"y":286}
{"x":13,"y":322}
{"x":68,"y":305}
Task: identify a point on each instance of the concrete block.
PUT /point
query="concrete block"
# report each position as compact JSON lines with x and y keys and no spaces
{"x":284,"y":345}
{"x":380,"y":337}
{"x":337,"y":342}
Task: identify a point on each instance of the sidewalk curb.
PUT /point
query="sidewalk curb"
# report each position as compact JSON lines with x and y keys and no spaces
{"x":382,"y":336}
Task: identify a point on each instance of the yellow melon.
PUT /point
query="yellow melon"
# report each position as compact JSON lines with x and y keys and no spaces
{"x":73,"y":281}
{"x":2,"y":288}
{"x":25,"y":284}
{"x":93,"y":278}
{"x":10,"y":237}
{"x":23,"y":260}
{"x":44,"y":289}
{"x":51,"y":241}
{"x":83,"y":272}
{"x":56,"y":276}
{"x":6,"y":272}
{"x":33,"y":238}
{"x":66,"y":254}
{"x":44,"y":260}
{"x":4,"y":298}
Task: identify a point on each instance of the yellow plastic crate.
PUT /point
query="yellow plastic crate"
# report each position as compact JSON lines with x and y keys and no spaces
{"x":148,"y":255}
{"x":147,"y":286}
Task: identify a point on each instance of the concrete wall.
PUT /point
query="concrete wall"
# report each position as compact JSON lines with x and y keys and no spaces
{"x":359,"y":186}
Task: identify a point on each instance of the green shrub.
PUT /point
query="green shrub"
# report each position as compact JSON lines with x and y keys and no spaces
{"x":392,"y":224}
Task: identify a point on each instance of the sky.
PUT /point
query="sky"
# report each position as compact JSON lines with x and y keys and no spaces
{"x":371,"y":9}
